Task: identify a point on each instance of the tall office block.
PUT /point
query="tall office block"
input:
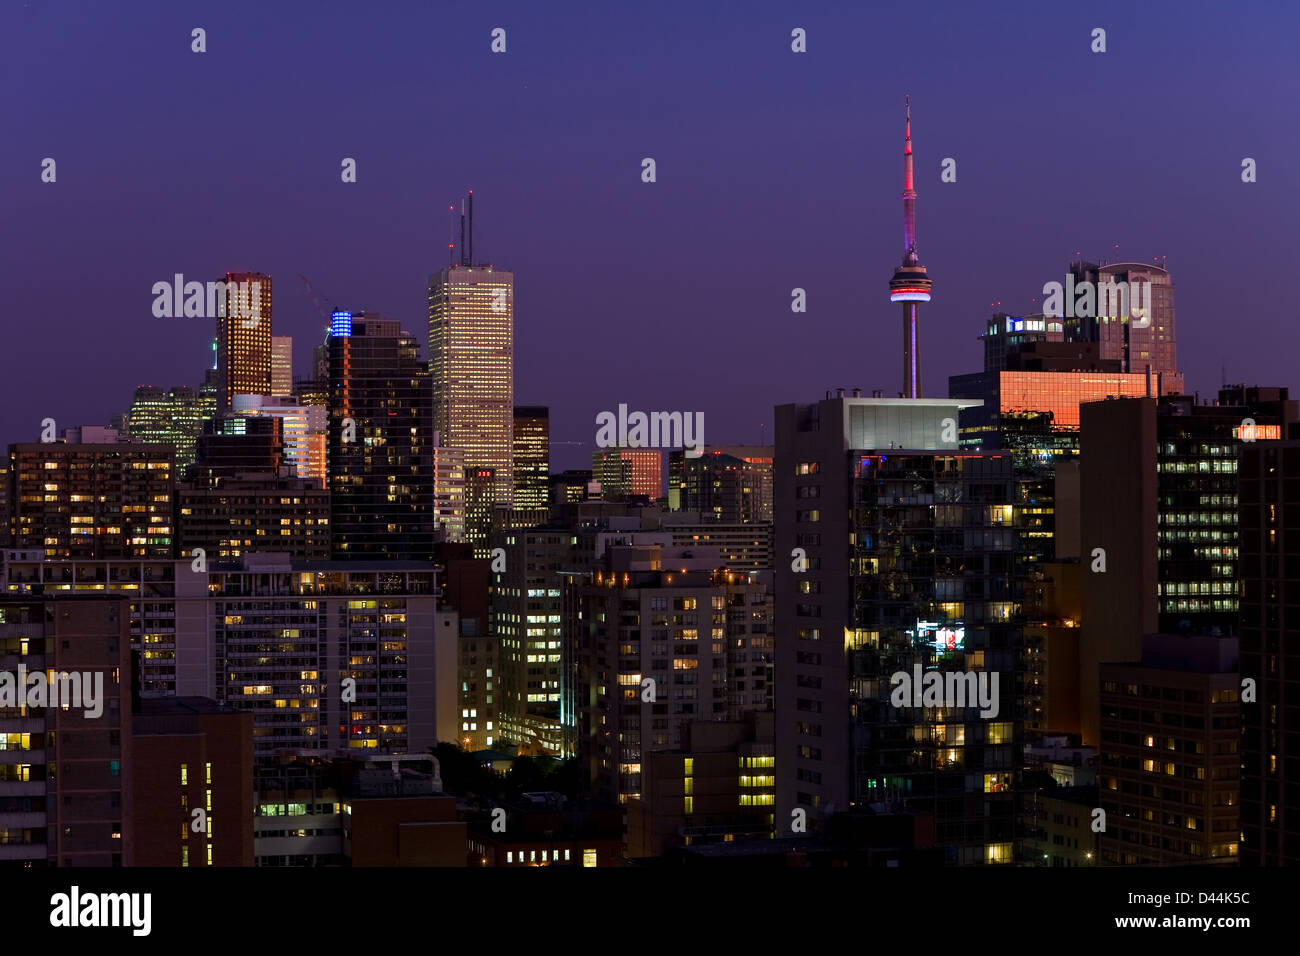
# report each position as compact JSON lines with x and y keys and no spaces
{"x":623,"y":472}
{"x":532,"y":456}
{"x":244,"y":337}
{"x":1158,"y":504}
{"x":281,"y":366}
{"x":380,"y":441}
{"x":170,"y":417}
{"x":1269,"y":516}
{"x":471,"y":360}
{"x":1143,"y":340}
{"x":449,"y":491}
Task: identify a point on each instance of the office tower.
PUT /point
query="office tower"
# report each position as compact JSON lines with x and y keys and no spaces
{"x":1032,"y":386}
{"x":525,"y":623}
{"x":731,"y":484}
{"x":303,"y":431}
{"x":532,"y":456}
{"x":281,"y":366}
{"x":373,"y":622}
{"x":254,"y":512}
{"x":1143,"y":343}
{"x":92,"y":500}
{"x":657,"y":635}
{"x":907,"y":557}
{"x":1008,"y":335}
{"x":380,"y":441}
{"x":1158,"y":501}
{"x":171,"y":417}
{"x":911,"y":283}
{"x":719,"y":787}
{"x":244,"y":337}
{"x":1269,"y":513}
{"x":66,"y":798}
{"x":191,"y":754}
{"x":623,"y":472}
{"x":1170,"y":766}
{"x":448,"y":491}
{"x":471,"y":360}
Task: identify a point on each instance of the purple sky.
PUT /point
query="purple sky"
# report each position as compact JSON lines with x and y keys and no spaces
{"x":775,"y":170}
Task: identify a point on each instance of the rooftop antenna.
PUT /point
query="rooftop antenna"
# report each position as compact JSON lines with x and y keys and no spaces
{"x":462,"y":233}
{"x":451,"y":234}
{"x":469,"y":250}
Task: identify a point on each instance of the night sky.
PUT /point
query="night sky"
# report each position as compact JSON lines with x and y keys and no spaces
{"x":775,"y":170}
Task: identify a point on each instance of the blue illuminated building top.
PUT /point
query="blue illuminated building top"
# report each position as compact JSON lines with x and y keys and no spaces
{"x":341,"y":324}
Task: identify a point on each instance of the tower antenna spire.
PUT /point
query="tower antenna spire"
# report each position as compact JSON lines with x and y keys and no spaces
{"x":911,"y":284}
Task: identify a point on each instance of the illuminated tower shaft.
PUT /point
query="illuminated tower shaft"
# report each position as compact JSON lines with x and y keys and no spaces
{"x":911,"y":284}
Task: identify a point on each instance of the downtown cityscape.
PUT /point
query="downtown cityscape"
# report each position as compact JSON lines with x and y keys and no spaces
{"x":501,"y":514}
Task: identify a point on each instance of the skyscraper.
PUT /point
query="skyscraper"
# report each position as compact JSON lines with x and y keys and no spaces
{"x":628,"y":471}
{"x":380,"y":441}
{"x":532,"y":456}
{"x":172,"y":417}
{"x":911,"y":284}
{"x":1143,"y":343}
{"x":281,"y":366}
{"x":471,"y":360}
{"x":909,"y":558}
{"x":244,"y":337}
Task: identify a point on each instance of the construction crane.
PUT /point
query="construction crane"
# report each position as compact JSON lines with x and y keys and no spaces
{"x":316,"y":301}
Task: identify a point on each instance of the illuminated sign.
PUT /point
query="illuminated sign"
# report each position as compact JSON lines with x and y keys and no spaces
{"x":945,"y":638}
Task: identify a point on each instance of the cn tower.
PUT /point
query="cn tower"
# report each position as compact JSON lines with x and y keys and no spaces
{"x":911,"y":284}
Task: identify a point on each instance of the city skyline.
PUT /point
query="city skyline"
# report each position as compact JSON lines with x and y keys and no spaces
{"x":821,"y":152}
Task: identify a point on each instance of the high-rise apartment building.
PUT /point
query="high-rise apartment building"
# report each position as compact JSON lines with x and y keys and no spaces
{"x":907,"y":559}
{"x":254,"y":512}
{"x":658,"y":635}
{"x":471,"y":361}
{"x":1170,"y":765}
{"x":244,"y":337}
{"x":380,"y":441}
{"x":66,"y":800}
{"x":279,"y":638}
{"x":111,"y":500}
{"x":532,"y":456}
